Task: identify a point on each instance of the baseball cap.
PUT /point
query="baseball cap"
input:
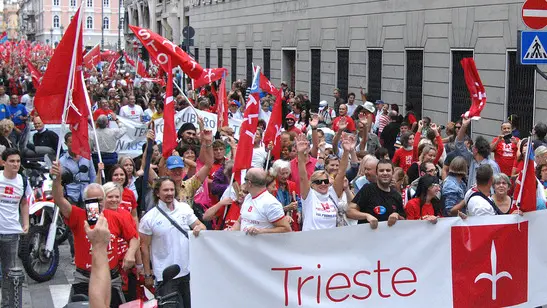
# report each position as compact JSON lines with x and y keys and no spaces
{"x":323,"y":104}
{"x":174,"y":162}
{"x":235,"y":102}
{"x":378,"y":102}
{"x":291,"y":116}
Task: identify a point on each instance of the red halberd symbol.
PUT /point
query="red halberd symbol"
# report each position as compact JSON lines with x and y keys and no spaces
{"x":210,"y":75}
{"x":494,"y":276}
{"x":8,"y":190}
{"x":250,"y":209}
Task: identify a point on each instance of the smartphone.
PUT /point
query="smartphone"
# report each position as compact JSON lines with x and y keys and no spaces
{"x":507,"y":138}
{"x":93,"y":211}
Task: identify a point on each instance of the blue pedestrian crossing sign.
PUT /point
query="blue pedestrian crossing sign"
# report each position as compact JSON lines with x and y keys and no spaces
{"x":532,"y":47}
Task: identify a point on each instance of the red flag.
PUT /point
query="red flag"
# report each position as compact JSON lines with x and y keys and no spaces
{"x":109,"y":55}
{"x":475,"y":87}
{"x":161,"y":49}
{"x":266,"y":85}
{"x":209,"y":75}
{"x":273,"y":130}
{"x":222,"y":105}
{"x":141,"y":68}
{"x":112,"y":65}
{"x":50,"y":96}
{"x":169,"y":132}
{"x":92,"y":57}
{"x":34,"y":73}
{"x":244,"y":153}
{"x":129,"y":60}
{"x":524,"y":195}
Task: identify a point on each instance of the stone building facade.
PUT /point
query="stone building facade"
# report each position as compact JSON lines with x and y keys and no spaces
{"x":397,"y":50}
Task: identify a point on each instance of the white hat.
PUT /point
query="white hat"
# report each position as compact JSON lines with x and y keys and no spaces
{"x":323,"y":104}
{"x":369,"y":106}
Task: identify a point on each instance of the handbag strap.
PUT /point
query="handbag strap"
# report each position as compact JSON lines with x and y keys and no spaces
{"x":176,"y":225}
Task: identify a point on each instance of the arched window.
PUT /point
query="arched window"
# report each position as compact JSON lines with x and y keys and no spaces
{"x":56,"y":21}
{"x":56,"y":2}
{"x":89,"y":23}
{"x":89,"y":3}
{"x":106,"y":23}
{"x":72,"y":3}
{"x":106,"y":3}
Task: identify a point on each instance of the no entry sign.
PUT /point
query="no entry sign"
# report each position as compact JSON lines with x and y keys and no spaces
{"x":534,"y":14}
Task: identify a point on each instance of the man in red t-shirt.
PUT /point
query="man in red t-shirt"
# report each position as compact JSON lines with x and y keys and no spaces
{"x":104,"y":109}
{"x":505,"y":149}
{"x":119,"y":228}
{"x":343,"y":111}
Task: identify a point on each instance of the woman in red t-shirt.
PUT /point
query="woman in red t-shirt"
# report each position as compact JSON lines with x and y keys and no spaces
{"x":426,"y":202}
{"x":403,"y":156}
{"x":519,"y":162}
{"x":119,"y":175}
{"x":505,"y":149}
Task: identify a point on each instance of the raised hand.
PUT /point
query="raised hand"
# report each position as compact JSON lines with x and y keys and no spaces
{"x":302,"y":143}
{"x":207,"y":137}
{"x":314,"y":120}
{"x":343,"y":123}
{"x":363,"y":119}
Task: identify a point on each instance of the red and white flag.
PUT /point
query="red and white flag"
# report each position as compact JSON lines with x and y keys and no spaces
{"x":275,"y":125}
{"x":109,"y":55}
{"x":209,"y":75}
{"x":92,"y":57}
{"x":34,"y":73}
{"x":112,"y":65}
{"x":266,"y":85}
{"x":162,"y":49}
{"x":169,"y":131}
{"x":222,"y":105}
{"x":475,"y":87}
{"x":244,"y":153}
{"x":50,"y":96}
{"x":524,"y":195}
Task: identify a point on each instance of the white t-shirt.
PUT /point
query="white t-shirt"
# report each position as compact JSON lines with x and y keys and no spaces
{"x":28,"y":101}
{"x":260,"y":212}
{"x":259,"y":157}
{"x":351,"y":108}
{"x":319,"y":211}
{"x":169,"y":246}
{"x":11,"y":192}
{"x":133,"y":113}
{"x":478,"y":206}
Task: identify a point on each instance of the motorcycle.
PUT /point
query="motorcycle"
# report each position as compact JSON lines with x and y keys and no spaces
{"x":38,"y":250}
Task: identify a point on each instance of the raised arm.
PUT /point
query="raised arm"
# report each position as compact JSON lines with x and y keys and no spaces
{"x":302,"y":146}
{"x":348,"y":144}
{"x":342,"y":125}
{"x":64,"y":206}
{"x":207,"y":151}
{"x":439,"y":140}
{"x":314,"y":135}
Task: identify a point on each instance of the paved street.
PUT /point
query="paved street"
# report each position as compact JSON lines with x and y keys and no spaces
{"x":54,"y":293}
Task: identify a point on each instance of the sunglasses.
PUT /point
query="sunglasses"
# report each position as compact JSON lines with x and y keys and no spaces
{"x":321,"y":181}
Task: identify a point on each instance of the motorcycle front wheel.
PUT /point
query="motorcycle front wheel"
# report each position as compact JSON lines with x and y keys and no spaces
{"x":38,"y":265}
{"x":62,"y":231}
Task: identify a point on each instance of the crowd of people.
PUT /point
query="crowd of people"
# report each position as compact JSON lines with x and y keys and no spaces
{"x":345,"y":162}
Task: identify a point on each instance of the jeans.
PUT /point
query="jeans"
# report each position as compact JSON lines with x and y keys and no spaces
{"x":8,"y":257}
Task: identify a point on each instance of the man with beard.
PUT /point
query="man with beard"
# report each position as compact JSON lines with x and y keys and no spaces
{"x":377,"y":201}
{"x":187,"y":135}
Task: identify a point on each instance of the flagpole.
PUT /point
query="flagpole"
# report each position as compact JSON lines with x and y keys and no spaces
{"x":268,"y":160}
{"x":88,"y":103}
{"x":186,"y":97}
{"x":523,"y":177}
{"x":70,"y":84}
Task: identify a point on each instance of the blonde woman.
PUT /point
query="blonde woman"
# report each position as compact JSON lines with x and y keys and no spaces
{"x":6,"y":127}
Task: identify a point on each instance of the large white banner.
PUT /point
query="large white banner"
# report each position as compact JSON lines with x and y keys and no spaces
{"x":130,"y":144}
{"x":479,"y":262}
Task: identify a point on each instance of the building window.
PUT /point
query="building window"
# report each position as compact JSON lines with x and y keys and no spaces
{"x":520,"y":93}
{"x":249,"y":65}
{"x":196,"y":54}
{"x":73,"y":3}
{"x":374,"y":86}
{"x":56,"y":2}
{"x":121,"y":3}
{"x":219,"y":57}
{"x":56,"y":21}
{"x":89,"y":23}
{"x":208,"y":57}
{"x":342,"y":72}
{"x":266,"y":70}
{"x":234,"y":64}
{"x":460,"y":100}
{"x":106,"y":23}
{"x":106,"y":3}
{"x":414,"y":80}
{"x":89,"y":3}
{"x":315,"y":79}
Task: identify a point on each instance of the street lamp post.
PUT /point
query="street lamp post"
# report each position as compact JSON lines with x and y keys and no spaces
{"x":102,"y":24}
{"x":51,"y":35}
{"x":120,"y":21}
{"x":62,"y":30}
